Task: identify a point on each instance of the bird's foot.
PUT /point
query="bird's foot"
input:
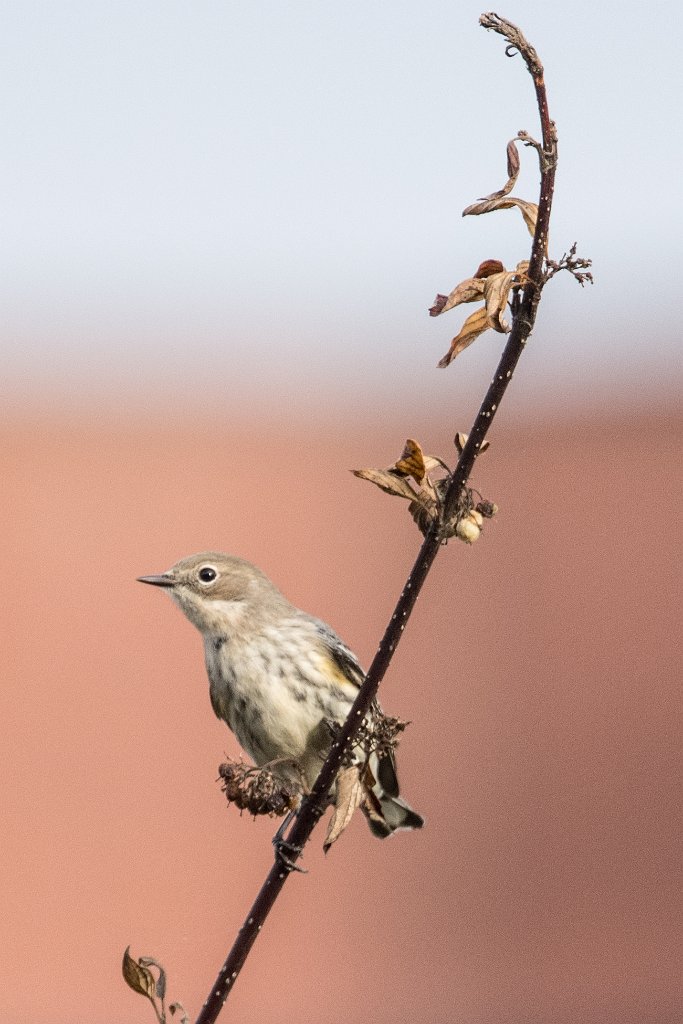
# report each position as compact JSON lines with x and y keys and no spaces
{"x":283,"y":855}
{"x":284,"y":850}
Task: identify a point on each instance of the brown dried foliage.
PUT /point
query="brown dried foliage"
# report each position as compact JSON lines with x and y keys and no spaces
{"x":259,"y":790}
{"x":414,"y":477}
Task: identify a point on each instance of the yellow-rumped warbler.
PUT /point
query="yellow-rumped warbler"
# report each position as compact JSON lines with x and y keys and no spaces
{"x":276,"y":674}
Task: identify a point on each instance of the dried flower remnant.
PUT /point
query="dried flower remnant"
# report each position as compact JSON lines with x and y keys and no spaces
{"x":377,"y":738}
{"x":259,"y":790}
{"x":491,"y":283}
{"x":427,"y":491}
{"x":576,"y":265}
{"x":378,"y":734}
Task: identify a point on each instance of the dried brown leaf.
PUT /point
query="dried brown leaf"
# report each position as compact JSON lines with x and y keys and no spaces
{"x":433,"y":462}
{"x":137,"y":976}
{"x":160,"y":981}
{"x":388,"y":480}
{"x":412,"y":462}
{"x":513,"y":161}
{"x":528,"y":210}
{"x":469,"y":290}
{"x":513,"y":172}
{"x":496,"y":291}
{"x":349,"y":794}
{"x":475,"y":325}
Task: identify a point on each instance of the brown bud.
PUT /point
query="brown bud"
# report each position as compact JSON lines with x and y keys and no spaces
{"x":487,"y":508}
{"x":488,"y":268}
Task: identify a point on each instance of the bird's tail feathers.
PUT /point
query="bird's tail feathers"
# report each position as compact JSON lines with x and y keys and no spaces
{"x":384,"y":809}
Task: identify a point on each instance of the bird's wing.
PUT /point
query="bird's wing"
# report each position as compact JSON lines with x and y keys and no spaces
{"x":347,"y":663}
{"x":344,"y":658}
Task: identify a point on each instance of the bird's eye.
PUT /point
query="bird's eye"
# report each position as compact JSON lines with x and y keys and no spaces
{"x":207,"y":574}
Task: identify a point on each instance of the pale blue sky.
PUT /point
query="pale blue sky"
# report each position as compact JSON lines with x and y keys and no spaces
{"x":211,"y":201}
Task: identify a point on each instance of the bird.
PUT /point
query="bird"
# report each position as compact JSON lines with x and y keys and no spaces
{"x":278,"y":677}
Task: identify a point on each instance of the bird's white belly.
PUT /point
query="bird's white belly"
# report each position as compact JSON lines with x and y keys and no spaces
{"x":274,"y":711}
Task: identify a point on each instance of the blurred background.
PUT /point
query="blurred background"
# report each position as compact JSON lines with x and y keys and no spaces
{"x":224,"y":225}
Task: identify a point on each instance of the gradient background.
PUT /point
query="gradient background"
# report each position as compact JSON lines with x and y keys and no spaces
{"x":224,"y":226}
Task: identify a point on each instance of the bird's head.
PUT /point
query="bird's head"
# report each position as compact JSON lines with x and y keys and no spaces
{"x":214,"y":590}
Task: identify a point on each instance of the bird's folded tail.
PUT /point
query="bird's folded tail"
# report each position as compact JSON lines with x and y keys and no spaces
{"x":382,"y":806}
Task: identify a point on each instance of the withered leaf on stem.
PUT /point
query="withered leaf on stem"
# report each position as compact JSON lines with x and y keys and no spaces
{"x":513,"y":172}
{"x":513,"y":162}
{"x":528,"y":210}
{"x":495,"y":289}
{"x":137,"y":976}
{"x":412,"y":461}
{"x":413,"y":464}
{"x":469,"y":290}
{"x":475,"y":325}
{"x":160,"y":982}
{"x":502,"y":200}
{"x":388,"y":480}
{"x":496,"y":292}
{"x":349,"y":794}
{"x":431,"y":476}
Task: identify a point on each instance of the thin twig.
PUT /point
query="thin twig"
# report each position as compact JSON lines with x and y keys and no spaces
{"x":314,"y":805}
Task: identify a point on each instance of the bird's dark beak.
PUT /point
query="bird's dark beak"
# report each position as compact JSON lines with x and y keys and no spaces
{"x":158,"y":581}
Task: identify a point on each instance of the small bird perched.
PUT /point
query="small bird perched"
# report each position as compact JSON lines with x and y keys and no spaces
{"x":277,"y":676}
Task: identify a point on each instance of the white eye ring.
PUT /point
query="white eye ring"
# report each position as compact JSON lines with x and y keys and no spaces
{"x":207,"y":574}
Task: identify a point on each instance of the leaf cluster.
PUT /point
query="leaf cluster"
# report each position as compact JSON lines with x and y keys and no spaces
{"x":424,"y":481}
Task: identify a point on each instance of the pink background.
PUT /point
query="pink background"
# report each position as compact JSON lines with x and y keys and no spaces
{"x":539,"y":673}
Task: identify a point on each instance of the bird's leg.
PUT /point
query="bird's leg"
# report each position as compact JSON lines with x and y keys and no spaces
{"x":283,"y":848}
{"x":284,"y":825}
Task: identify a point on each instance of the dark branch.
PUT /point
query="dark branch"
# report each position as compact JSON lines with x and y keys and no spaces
{"x":314,"y":805}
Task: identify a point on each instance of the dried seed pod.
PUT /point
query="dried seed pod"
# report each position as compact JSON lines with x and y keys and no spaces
{"x":258,"y":790}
